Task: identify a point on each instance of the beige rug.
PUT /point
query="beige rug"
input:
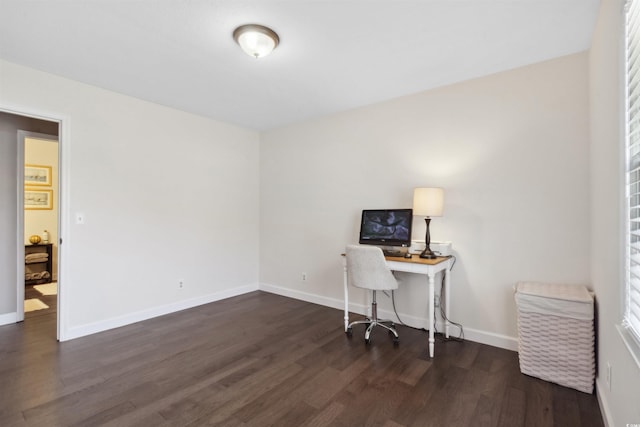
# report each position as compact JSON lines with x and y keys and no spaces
{"x":47,"y":289}
{"x":34,"y":304}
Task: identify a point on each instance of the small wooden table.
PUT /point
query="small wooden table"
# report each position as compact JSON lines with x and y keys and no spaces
{"x":40,"y":265}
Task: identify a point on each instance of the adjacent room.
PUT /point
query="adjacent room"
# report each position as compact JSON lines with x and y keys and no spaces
{"x":202,"y":176}
{"x":40,"y":222}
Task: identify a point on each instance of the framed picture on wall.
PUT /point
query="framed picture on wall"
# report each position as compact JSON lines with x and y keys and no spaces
{"x":37,"y":175}
{"x":35,"y":198}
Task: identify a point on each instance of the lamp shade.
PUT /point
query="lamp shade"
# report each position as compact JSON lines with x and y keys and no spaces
{"x":256,"y":40}
{"x":428,"y":201}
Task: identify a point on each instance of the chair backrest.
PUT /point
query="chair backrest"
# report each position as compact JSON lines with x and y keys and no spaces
{"x":367,"y":268}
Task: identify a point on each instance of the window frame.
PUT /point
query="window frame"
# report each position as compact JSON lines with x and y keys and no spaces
{"x":630,"y":330}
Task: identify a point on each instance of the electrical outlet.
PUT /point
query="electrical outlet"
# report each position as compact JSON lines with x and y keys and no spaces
{"x":180,"y":283}
{"x":304,"y":277}
{"x":609,"y":376}
{"x":437,"y":300}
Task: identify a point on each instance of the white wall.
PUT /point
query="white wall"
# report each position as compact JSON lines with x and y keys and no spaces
{"x":511,"y":151}
{"x":45,"y":153}
{"x":166,"y":195}
{"x":606,"y":65}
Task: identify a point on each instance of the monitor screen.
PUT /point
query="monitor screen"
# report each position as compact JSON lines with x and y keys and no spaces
{"x":386,"y":227}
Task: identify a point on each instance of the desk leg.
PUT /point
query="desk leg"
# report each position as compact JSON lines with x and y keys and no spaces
{"x":432,"y":339}
{"x":346,"y":299}
{"x":447,"y":274}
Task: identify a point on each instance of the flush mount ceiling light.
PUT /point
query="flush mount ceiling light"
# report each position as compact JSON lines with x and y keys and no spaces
{"x":256,"y":40}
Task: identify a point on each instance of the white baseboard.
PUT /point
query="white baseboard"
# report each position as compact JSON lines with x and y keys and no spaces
{"x":489,"y":338}
{"x":604,"y":405}
{"x":127,"y":319}
{"x":313,"y":298}
{"x":8,"y":318}
{"x":483,"y":337}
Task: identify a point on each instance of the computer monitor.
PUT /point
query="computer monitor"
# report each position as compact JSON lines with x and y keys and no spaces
{"x":386,"y":227}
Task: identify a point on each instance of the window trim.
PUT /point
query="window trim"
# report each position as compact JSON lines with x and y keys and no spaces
{"x":629,"y":334}
{"x":630,"y":342}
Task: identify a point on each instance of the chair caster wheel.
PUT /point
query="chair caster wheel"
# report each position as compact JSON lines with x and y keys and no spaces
{"x":367,"y":341}
{"x":349,"y":332}
{"x":396,"y":341}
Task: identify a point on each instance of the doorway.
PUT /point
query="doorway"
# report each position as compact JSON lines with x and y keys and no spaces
{"x":14,"y":126}
{"x":40,"y":216}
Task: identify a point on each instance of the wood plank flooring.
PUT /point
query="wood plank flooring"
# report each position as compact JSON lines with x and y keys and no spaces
{"x":260,"y":360}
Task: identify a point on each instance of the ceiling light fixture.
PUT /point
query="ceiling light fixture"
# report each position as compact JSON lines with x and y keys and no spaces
{"x":256,"y":40}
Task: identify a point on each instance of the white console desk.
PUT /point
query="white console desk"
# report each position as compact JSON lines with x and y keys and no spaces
{"x":415,"y":264}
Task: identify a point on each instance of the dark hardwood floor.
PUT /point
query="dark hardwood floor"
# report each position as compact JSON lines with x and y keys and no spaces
{"x":261,"y":359}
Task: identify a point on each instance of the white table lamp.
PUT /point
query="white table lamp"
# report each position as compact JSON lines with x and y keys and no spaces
{"x":428,"y":202}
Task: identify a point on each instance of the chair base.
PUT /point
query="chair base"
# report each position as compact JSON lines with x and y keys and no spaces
{"x":371,"y":324}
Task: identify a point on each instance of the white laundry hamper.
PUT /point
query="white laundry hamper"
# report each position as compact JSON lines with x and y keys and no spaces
{"x":556,"y":333}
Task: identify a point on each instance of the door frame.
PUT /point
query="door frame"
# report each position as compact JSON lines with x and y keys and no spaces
{"x":63,"y":209}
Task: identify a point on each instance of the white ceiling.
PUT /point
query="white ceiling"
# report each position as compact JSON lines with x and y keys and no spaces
{"x":334,"y":55}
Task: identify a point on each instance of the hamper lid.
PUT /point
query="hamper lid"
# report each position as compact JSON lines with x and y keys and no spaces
{"x":573,"y":301}
{"x":558,"y":291}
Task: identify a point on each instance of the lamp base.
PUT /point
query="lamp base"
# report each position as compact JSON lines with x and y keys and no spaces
{"x":428,"y":254}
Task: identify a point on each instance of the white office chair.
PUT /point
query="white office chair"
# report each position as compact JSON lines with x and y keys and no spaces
{"x":367,"y":269}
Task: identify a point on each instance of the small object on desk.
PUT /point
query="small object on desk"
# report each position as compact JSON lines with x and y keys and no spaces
{"x":393,"y":253}
{"x":407,"y":255}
